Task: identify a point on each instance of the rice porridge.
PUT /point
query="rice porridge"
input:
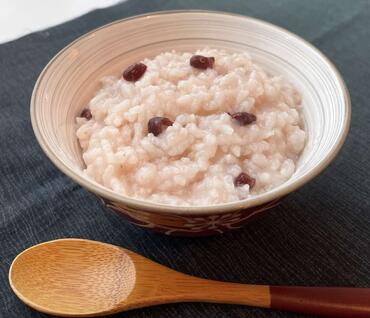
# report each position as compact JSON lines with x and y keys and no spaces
{"x":192,"y":129}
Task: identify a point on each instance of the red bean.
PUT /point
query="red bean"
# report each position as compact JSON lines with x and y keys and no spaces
{"x":156,"y":125}
{"x":243,"y":179}
{"x":86,"y":113}
{"x":243,"y":118}
{"x":202,"y":62}
{"x":134,"y":72}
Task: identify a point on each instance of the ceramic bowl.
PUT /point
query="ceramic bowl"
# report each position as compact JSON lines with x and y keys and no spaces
{"x":72,"y":77}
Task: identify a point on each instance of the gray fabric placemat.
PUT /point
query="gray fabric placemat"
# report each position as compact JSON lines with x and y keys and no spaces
{"x":320,"y":235}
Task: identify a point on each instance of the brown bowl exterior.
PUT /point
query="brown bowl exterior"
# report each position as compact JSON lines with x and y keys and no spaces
{"x":189,"y":224}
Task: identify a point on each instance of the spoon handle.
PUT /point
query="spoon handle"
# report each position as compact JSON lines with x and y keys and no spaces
{"x":338,"y":302}
{"x":322,"y":301}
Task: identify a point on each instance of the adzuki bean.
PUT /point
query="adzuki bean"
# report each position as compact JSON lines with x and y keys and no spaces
{"x":134,"y":72}
{"x":202,"y":62}
{"x":86,"y":113}
{"x":243,"y":179}
{"x":243,"y":118}
{"x":156,"y":125}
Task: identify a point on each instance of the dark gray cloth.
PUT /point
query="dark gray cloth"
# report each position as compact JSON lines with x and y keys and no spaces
{"x":320,"y":235}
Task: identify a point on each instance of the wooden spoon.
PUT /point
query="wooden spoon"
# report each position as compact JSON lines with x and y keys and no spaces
{"x":74,"y":277}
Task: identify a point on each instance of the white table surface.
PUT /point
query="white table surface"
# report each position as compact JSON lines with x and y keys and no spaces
{"x":20,"y":17}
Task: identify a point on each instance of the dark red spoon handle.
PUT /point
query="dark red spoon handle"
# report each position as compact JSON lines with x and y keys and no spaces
{"x":322,"y":301}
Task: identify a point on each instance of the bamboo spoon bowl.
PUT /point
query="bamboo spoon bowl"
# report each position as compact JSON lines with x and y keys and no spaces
{"x":83,"y":278}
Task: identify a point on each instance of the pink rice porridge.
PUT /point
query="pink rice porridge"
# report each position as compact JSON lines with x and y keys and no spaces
{"x":197,"y":128}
